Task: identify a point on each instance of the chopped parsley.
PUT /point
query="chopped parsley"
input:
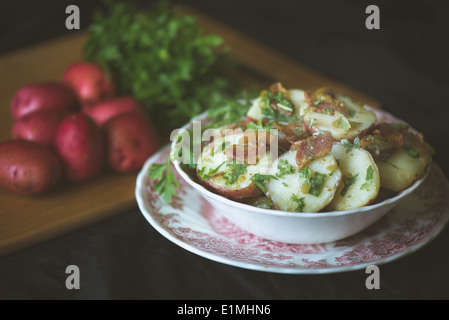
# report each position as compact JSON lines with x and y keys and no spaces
{"x":349,"y":146}
{"x":279,"y":99}
{"x":368,"y":178}
{"x":237,"y":169}
{"x":315,"y":180}
{"x":300,"y":204}
{"x":318,"y":101}
{"x":205,"y":176}
{"x":284,"y":167}
{"x":411,"y":152}
{"x":260,"y":179}
{"x":349,"y":181}
{"x":306,"y":174}
{"x":282,"y":103}
{"x":256,"y":126}
{"x":317,"y":183}
{"x":342,"y":122}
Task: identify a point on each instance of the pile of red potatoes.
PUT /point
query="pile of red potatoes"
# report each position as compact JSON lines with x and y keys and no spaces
{"x":72,"y":129}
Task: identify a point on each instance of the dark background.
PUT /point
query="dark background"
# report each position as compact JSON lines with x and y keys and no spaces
{"x":404,"y":65}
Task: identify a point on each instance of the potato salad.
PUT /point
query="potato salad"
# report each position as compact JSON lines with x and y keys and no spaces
{"x":302,"y":151}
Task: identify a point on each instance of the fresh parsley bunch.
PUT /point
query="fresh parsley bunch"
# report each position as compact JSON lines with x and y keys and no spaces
{"x":161,"y":57}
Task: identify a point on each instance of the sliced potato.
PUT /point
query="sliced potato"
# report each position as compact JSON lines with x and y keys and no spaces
{"x":296,"y":96}
{"x":403,"y":168}
{"x":307,"y":190}
{"x":358,"y":119}
{"x":255,"y":111}
{"x":360,"y":182}
{"x":299,"y":100}
{"x":232,"y":180}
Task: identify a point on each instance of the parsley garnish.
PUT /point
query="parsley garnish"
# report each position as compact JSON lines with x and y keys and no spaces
{"x":368,"y":178}
{"x":284,"y":167}
{"x":161,"y":57}
{"x":279,"y":99}
{"x":411,"y":152}
{"x":166,"y":183}
{"x":205,"y":175}
{"x":256,"y":126}
{"x":260,"y":179}
{"x":317,"y":183}
{"x":282,"y":102}
{"x":228,"y":112}
{"x":349,"y":181}
{"x":342,"y":122}
{"x":317,"y":102}
{"x":237,"y":169}
{"x":306,"y":174}
{"x":300,"y":204}
{"x":349,"y":146}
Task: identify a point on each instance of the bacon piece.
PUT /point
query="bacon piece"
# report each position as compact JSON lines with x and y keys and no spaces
{"x":392,"y":133}
{"x":312,"y":148}
{"x":250,"y":147}
{"x":323,"y":101}
{"x":293,"y":131}
{"x":384,"y":139}
{"x":277,"y":87}
{"x":417,"y":140}
{"x":378,"y":146}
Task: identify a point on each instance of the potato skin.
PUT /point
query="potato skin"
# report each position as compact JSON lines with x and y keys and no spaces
{"x":130,"y":141}
{"x":28,"y":168}
{"x":234,"y":194}
{"x":38,"y":96}
{"x":89,"y":81}
{"x":39,"y":126}
{"x":80,"y":144}
{"x":104,"y":110}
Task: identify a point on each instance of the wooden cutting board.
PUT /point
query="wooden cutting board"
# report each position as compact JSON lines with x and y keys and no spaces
{"x":25,"y":221}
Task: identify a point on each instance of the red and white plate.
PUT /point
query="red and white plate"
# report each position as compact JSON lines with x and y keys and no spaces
{"x":192,"y":223}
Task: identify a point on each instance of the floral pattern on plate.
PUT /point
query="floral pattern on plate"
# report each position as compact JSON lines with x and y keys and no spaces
{"x":192,"y":223}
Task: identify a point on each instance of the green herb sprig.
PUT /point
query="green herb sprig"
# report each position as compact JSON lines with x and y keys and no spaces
{"x":166,"y":184}
{"x":260,"y":179}
{"x":161,"y":57}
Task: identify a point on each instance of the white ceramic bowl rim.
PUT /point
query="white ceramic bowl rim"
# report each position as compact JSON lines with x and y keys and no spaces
{"x":281,"y":213}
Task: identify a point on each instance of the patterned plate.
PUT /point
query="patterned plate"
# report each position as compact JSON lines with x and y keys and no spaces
{"x":191,"y":222}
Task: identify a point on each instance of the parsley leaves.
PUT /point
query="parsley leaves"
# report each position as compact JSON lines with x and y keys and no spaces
{"x":368,"y":178}
{"x":300,"y":204}
{"x":342,"y":122}
{"x":349,"y":146}
{"x":166,"y":183}
{"x":284,"y":167}
{"x":162,"y":58}
{"x":237,"y":169}
{"x":349,"y":181}
{"x":260,"y":179}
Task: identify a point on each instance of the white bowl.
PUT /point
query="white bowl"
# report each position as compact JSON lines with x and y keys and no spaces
{"x":297,"y":227}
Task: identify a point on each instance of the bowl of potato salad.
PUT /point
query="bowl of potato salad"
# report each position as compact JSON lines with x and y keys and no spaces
{"x":305,"y":167}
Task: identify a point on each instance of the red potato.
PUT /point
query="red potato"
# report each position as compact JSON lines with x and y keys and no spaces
{"x":28,"y":168}
{"x":39,"y":96}
{"x":89,"y":81}
{"x":79,"y":143}
{"x":106,"y":109}
{"x":130,"y":140}
{"x":39,"y":126}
